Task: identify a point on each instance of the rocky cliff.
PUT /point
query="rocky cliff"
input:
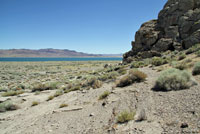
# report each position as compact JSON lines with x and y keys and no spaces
{"x":177,"y":28}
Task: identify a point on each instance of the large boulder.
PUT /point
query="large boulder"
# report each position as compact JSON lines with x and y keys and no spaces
{"x":177,"y":28}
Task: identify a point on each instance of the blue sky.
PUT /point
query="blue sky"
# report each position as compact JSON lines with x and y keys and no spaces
{"x":92,"y":26}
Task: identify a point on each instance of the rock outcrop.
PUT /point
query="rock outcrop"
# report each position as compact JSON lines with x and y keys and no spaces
{"x":177,"y":28}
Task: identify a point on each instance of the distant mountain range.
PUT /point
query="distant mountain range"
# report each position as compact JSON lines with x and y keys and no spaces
{"x":49,"y":52}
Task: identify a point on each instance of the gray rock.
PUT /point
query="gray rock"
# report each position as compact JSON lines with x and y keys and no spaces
{"x":140,"y":115}
{"x":92,"y":114}
{"x":176,"y":28}
{"x":192,"y":39}
{"x":184,"y":125}
{"x":163,"y":44}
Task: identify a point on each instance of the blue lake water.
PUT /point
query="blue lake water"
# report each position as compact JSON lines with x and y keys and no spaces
{"x":35,"y":59}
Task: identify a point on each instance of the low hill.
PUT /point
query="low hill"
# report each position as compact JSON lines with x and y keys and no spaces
{"x":49,"y":52}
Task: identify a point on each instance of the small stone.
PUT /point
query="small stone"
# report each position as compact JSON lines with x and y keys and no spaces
{"x":92,"y":114}
{"x":103,"y":104}
{"x":84,"y":91}
{"x":140,"y":115}
{"x":23,"y":99}
{"x":50,"y":131}
{"x":184,"y":125}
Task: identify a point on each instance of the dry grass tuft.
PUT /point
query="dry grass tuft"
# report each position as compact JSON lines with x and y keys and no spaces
{"x":125,"y":116}
{"x":133,"y":76}
{"x":104,"y":95}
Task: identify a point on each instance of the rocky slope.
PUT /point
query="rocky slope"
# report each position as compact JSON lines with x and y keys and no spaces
{"x":177,"y":28}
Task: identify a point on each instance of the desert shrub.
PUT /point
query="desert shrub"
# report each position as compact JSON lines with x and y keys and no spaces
{"x":69,"y":86}
{"x":189,"y":51}
{"x":52,"y":85}
{"x":37,"y":92}
{"x":147,"y":61}
{"x":175,"y":52}
{"x":198,"y":53}
{"x":106,"y":65}
{"x":108,"y":76}
{"x":187,"y":61}
{"x":125,"y":116}
{"x":73,"y":88}
{"x":78,"y":77}
{"x":139,"y":75}
{"x":104,"y":77}
{"x":172,"y":56}
{"x":8,"y":106}
{"x":124,"y":81}
{"x":173,"y":79}
{"x":129,"y":59}
{"x":50,"y":98}
{"x":122,"y":71}
{"x":116,"y":68}
{"x":44,"y":86}
{"x":93,"y":82}
{"x":137,"y":64}
{"x":196,"y":69}
{"x":133,"y":76}
{"x":181,"y":56}
{"x":58,"y":93}
{"x":193,"y":49}
{"x":20,"y":87}
{"x":104,"y":95}
{"x":3,"y":89}
{"x":157,"y":61}
{"x":180,"y":66}
{"x":63,"y":105}
{"x":34,"y":103}
{"x":173,"y":63}
{"x":12,"y":93}
{"x":110,"y":69}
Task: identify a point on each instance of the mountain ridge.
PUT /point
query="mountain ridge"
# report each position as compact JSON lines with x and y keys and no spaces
{"x":49,"y":52}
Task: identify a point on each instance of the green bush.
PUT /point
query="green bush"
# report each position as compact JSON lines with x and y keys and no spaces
{"x":73,"y":88}
{"x":122,"y":71}
{"x":180,"y":66}
{"x":181,"y":56}
{"x":137,"y":64}
{"x":44,"y":86}
{"x":109,"y":76}
{"x":125,"y":116}
{"x":8,"y":106}
{"x":173,"y":79}
{"x":58,"y":93}
{"x":93,"y":82}
{"x":147,"y":61}
{"x":193,"y":49}
{"x":12,"y":93}
{"x":157,"y":61}
{"x":196,"y":69}
{"x":133,"y":76}
{"x":198,"y":53}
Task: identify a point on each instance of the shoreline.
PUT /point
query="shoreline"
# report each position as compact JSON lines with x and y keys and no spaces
{"x":46,"y":59}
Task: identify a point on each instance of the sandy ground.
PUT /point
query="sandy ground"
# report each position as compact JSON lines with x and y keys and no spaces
{"x":85,"y":114}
